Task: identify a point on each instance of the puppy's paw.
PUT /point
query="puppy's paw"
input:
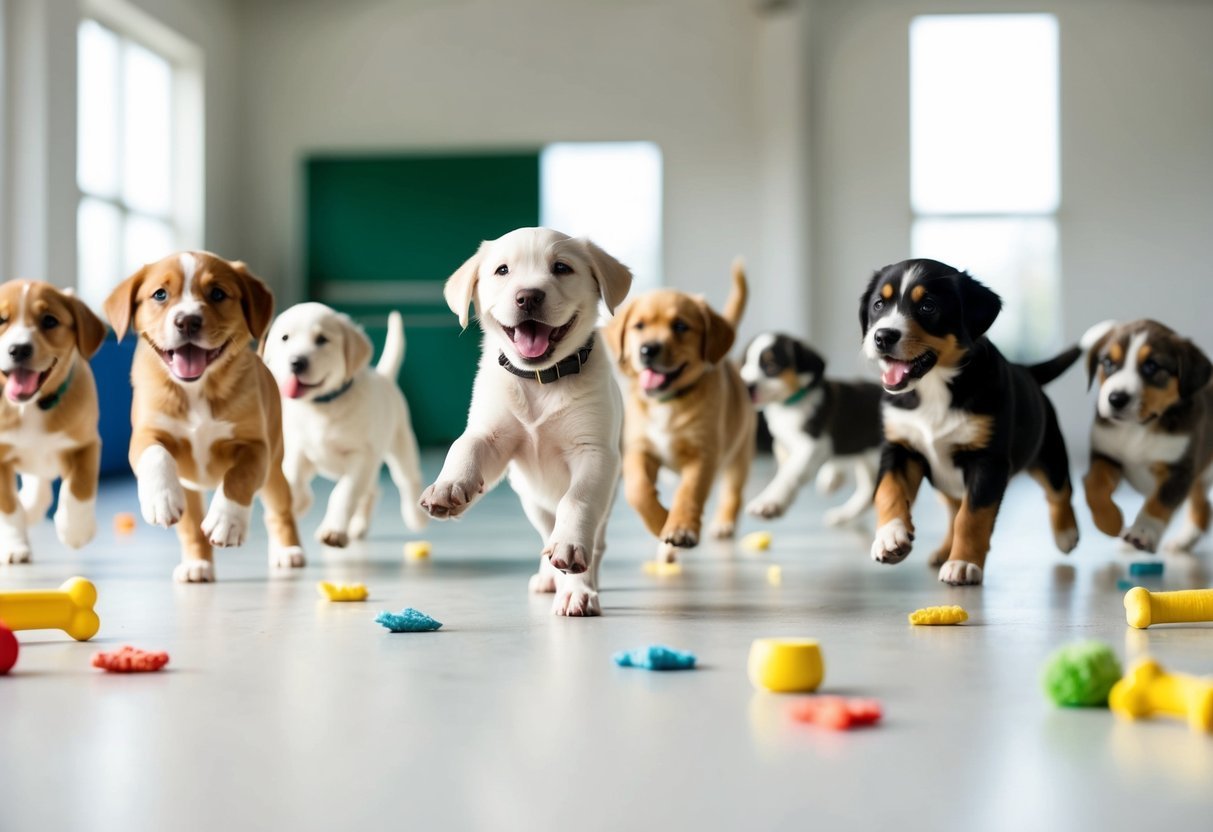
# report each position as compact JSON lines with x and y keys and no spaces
{"x":1185,"y":541}
{"x":767,"y":505}
{"x":162,"y":503}
{"x":542,"y":583}
{"x":226,"y":523}
{"x":359,"y":526}
{"x":286,"y":557}
{"x":960,"y":573}
{"x":575,"y":598}
{"x":14,"y":551}
{"x":1066,"y":540}
{"x":1145,"y":534}
{"x":568,"y":557}
{"x":75,"y":521}
{"x":666,"y":553}
{"x":447,"y":498}
{"x":722,"y":530}
{"x":336,"y":538}
{"x":194,"y":571}
{"x":414,"y":518}
{"x":829,"y":479}
{"x":682,"y":535}
{"x":893,"y":542}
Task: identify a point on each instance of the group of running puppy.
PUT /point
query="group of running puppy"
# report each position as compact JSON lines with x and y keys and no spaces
{"x":212,"y":414}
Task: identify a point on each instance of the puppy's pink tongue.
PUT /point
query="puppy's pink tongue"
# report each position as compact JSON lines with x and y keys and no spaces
{"x":895,"y":373}
{"x":291,"y":387}
{"x":21,"y":385}
{"x":651,"y":379}
{"x":532,"y":338}
{"x":189,"y":362}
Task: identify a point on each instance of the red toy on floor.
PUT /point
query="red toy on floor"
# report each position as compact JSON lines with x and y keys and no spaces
{"x":130,"y":660}
{"x":837,"y":712}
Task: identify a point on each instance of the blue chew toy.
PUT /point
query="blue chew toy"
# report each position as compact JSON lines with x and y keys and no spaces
{"x":1153,"y":567}
{"x":407,"y":621}
{"x":656,"y":657}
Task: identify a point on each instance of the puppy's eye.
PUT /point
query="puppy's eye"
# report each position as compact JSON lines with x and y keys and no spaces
{"x":502,"y":270}
{"x":561,"y":268}
{"x":3,"y":321}
{"x":679,"y":326}
{"x":638,"y":325}
{"x":216,"y":295}
{"x":1108,"y":364}
{"x":321,"y":340}
{"x":928,"y":307}
{"x":1149,"y":367}
{"x":286,"y":337}
{"x":49,"y":322}
{"x":160,"y":295}
{"x":878,"y":304}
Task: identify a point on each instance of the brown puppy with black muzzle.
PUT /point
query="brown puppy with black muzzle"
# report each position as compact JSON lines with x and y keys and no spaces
{"x":688,"y":409}
{"x":1154,"y":428}
{"x":48,"y":416}
{"x":206,"y":411}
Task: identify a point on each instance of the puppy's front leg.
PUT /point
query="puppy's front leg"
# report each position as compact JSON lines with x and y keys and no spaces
{"x":75,"y":519}
{"x":686,"y":510}
{"x":161,"y":497}
{"x":227,"y":521}
{"x":897,"y":486}
{"x":985,"y":483}
{"x":473,"y":461}
{"x":1101,"y":481}
{"x":14,"y":544}
{"x":803,"y":461}
{"x":640,"y":487}
{"x":578,"y":537}
{"x":343,"y":502}
{"x":299,"y":472}
{"x":1173,"y":484}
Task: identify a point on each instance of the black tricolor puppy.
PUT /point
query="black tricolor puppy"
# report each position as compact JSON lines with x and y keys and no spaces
{"x":1153,"y":427}
{"x":958,"y":413}
{"x":814,"y":421}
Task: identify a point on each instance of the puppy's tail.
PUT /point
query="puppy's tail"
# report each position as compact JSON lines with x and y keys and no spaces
{"x":393,"y":347}
{"x":735,"y":305}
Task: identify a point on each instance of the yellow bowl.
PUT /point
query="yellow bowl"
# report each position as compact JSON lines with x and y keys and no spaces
{"x":786,"y":665}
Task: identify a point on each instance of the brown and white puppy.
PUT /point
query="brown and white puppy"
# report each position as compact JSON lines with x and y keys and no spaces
{"x":206,"y":413}
{"x":1154,"y":428}
{"x":48,"y":415}
{"x":688,"y":409}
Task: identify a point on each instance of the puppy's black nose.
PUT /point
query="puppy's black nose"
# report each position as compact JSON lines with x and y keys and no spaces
{"x":1118,"y":399}
{"x":188,"y":324}
{"x":650,"y":350}
{"x":20,"y":352}
{"x":529,"y":299}
{"x":298,"y":365}
{"x":885,"y":338}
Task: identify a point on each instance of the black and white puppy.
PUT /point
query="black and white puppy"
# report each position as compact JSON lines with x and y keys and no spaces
{"x":958,"y":413}
{"x":814,"y":421}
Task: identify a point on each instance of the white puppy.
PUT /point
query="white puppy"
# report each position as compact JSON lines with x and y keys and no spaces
{"x":545,"y":405}
{"x":342,"y":419}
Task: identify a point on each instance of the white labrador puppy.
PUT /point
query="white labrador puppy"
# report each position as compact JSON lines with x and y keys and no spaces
{"x":341,"y":419}
{"x":545,"y":406}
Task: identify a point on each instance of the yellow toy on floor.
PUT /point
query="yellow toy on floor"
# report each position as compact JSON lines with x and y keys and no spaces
{"x":756,"y":541}
{"x":68,"y":608}
{"x":1147,"y":689}
{"x":417,"y":549}
{"x":939,"y":615}
{"x":662,"y":569}
{"x":1186,"y":606}
{"x":786,"y":665}
{"x":342,"y":592}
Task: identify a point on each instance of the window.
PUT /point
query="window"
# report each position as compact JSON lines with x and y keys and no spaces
{"x":984,"y":168}
{"x":611,"y":193}
{"x":135,"y":168}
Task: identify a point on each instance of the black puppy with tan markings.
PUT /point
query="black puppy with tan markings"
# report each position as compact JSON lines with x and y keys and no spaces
{"x":958,"y":413}
{"x":1154,"y":428}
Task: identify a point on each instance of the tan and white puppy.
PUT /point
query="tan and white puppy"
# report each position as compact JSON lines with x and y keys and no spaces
{"x":206,"y":413}
{"x":341,"y":419}
{"x":48,"y":414}
{"x":545,"y":407}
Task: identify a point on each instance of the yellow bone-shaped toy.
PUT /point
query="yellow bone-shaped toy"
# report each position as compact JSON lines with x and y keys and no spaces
{"x":68,"y":608}
{"x":1147,"y":689}
{"x":1143,"y":607}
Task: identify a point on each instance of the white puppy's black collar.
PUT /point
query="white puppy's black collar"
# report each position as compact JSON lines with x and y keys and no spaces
{"x":570,"y":366}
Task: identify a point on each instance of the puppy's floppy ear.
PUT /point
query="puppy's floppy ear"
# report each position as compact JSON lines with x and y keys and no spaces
{"x":615,"y":332}
{"x":864,"y":302}
{"x":1195,"y":370}
{"x":981,"y":305}
{"x":120,"y":305}
{"x":90,"y":330}
{"x":354,"y":344}
{"x":460,"y":288}
{"x":718,"y":333}
{"x":614,"y":279}
{"x":256,"y":301}
{"x":806,"y":361}
{"x":1095,"y":341}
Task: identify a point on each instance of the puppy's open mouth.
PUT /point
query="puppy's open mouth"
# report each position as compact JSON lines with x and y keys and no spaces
{"x":293,"y":387}
{"x":23,"y":384}
{"x":896,"y":374}
{"x":656,"y":381}
{"x":189,"y":361}
{"x":535,"y":340}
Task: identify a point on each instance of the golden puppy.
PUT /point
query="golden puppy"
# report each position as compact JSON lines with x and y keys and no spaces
{"x":688,"y":409}
{"x":206,"y":411}
{"x":48,"y":418}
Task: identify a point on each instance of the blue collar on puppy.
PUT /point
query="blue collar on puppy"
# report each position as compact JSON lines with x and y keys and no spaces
{"x":336,"y":394}
{"x":54,"y":398}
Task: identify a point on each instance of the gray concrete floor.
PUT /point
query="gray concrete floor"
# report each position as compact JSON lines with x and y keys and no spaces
{"x":280,"y":711}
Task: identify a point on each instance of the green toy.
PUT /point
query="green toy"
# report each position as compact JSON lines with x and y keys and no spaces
{"x":1081,"y":674}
